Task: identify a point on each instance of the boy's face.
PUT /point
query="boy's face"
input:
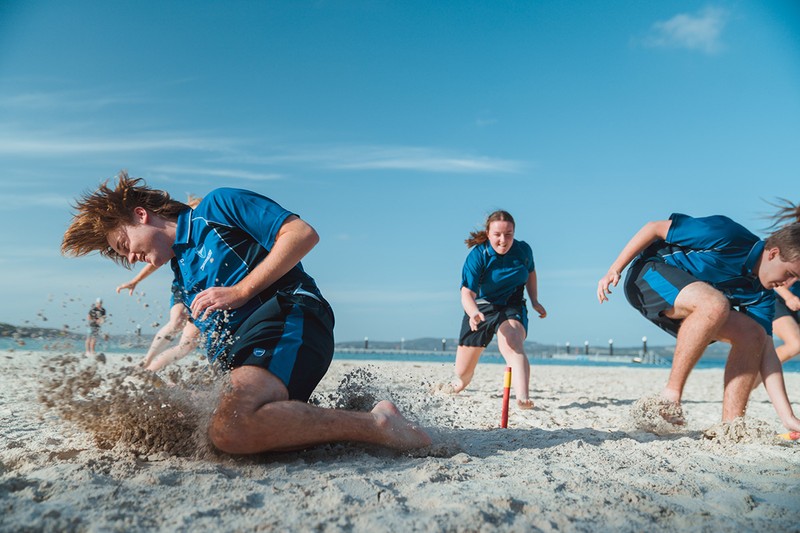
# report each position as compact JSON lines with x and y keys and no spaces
{"x":142,"y":241}
{"x":774,"y":272}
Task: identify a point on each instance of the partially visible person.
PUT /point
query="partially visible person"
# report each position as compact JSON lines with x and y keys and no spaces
{"x":786,"y":324}
{"x":95,"y":319}
{"x":787,"y":321}
{"x":496,"y":274}
{"x":178,"y":321}
{"x":265,"y":321}
{"x":710,"y":279}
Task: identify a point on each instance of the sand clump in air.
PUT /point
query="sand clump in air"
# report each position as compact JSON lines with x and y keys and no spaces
{"x":133,"y":408}
{"x":357,"y":391}
{"x":657,"y":415}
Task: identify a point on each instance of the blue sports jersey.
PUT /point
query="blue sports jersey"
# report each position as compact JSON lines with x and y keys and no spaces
{"x":218,"y":243}
{"x":498,"y":279}
{"x":722,"y":253}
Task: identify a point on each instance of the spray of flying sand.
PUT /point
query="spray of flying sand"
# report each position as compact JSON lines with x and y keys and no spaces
{"x":133,"y":409}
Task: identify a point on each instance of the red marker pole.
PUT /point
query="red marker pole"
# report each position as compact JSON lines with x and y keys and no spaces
{"x":506,"y":395}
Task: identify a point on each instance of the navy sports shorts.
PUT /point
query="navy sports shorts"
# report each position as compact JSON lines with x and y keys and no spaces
{"x":782,"y":310}
{"x":291,"y":336}
{"x":651,"y":288}
{"x":494,"y":315}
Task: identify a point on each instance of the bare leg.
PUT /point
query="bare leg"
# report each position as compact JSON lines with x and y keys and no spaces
{"x":466,"y":361}
{"x":789,"y":332}
{"x":703,"y":310}
{"x":189,"y":340}
{"x":748,"y":343}
{"x":177,"y":320}
{"x":256,"y":416}
{"x":510,"y":339}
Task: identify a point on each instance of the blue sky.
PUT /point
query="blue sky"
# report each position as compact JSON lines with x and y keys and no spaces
{"x":394,"y":128}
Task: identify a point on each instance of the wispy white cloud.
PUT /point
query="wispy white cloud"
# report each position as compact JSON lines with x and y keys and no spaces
{"x":218,"y":173}
{"x":34,"y":199}
{"x":375,"y":157}
{"x":49,"y":145}
{"x":64,"y":101}
{"x":701,"y":31}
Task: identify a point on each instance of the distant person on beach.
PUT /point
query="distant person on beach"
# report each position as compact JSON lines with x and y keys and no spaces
{"x":496,"y":274}
{"x":710,"y":279}
{"x":787,"y":298}
{"x":237,"y":257}
{"x":160,"y":354}
{"x":95,"y":319}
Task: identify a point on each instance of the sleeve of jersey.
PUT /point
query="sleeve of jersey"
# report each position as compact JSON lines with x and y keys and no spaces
{"x":258,"y":215}
{"x":529,"y":258}
{"x":706,"y":233}
{"x":763,"y":311}
{"x":472,"y":270}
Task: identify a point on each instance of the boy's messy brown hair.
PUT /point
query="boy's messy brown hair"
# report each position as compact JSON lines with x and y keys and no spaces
{"x":99,"y":213}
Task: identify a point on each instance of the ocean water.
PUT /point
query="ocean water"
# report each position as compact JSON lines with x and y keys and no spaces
{"x":110,"y":348}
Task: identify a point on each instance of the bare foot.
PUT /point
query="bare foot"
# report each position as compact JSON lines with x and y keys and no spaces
{"x":525,"y":404}
{"x":443,"y":388}
{"x":400,"y":433}
{"x":671,"y":412}
{"x":457,"y":385}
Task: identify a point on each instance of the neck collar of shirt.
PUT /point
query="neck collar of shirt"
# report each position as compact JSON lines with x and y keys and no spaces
{"x":493,"y":252}
{"x":753,"y":257}
{"x":183,"y":228}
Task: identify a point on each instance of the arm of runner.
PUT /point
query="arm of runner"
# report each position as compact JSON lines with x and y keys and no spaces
{"x":792,"y":301}
{"x":143,"y":273}
{"x":533,"y":293}
{"x":471,"y":308}
{"x":649,"y":233}
{"x":294,"y":240}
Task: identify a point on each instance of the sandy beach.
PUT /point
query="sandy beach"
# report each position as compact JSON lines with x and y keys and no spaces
{"x":94,"y":446}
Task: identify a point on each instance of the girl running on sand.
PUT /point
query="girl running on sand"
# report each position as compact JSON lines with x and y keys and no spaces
{"x":496,"y":274}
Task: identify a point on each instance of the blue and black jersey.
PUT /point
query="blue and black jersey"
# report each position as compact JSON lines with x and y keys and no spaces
{"x":221,"y":241}
{"x":722,"y":253}
{"x":495,"y":278}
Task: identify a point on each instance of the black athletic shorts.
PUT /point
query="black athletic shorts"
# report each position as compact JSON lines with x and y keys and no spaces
{"x":494,"y":315}
{"x":291,"y":336}
{"x":651,"y":288}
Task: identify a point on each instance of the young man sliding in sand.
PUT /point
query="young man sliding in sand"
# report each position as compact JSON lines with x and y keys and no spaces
{"x":264,"y":319}
{"x":710,"y":279}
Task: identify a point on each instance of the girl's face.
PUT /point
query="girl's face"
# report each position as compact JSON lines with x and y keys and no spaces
{"x":501,"y":236}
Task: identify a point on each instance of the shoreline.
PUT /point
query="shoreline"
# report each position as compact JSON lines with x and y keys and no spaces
{"x":575,"y":462}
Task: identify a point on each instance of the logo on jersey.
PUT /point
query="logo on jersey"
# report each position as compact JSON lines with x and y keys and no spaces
{"x":208,"y":259}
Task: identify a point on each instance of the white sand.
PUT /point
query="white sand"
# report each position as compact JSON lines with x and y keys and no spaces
{"x":574,"y":463}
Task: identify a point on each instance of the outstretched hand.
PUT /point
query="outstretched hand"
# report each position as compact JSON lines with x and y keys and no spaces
{"x":129,"y":285}
{"x":605,"y":283}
